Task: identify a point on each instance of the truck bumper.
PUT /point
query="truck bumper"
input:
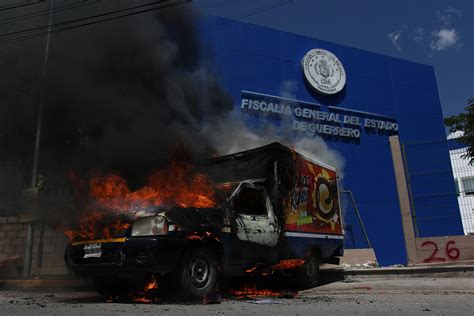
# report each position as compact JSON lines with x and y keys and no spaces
{"x":159,"y":254}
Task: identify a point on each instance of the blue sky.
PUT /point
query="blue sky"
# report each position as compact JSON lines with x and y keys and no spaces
{"x":433,"y":32}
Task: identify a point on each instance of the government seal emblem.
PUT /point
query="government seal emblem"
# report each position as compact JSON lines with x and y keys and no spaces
{"x":323,"y":71}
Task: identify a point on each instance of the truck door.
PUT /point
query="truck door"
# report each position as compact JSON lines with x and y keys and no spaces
{"x":255,"y":222}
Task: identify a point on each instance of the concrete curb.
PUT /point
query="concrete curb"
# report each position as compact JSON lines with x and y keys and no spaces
{"x":42,"y":284}
{"x":406,"y":272}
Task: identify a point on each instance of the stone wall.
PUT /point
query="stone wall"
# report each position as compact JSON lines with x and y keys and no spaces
{"x":359,"y":257}
{"x":48,"y":246}
{"x":12,"y":236}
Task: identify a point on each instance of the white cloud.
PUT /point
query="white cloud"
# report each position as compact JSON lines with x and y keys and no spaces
{"x":444,"y":38}
{"x":395,"y":37}
{"x":447,"y":36}
{"x":418,"y":34}
{"x":446,"y":15}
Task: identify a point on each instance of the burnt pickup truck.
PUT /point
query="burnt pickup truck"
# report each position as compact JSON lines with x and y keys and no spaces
{"x":278,"y":207}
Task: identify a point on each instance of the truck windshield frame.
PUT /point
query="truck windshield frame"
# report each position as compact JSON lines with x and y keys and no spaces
{"x":250,"y":201}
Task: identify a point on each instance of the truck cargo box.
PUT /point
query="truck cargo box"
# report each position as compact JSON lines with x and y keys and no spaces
{"x":304,"y":191}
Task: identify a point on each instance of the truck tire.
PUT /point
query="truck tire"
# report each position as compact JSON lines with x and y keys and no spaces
{"x":197,"y":273}
{"x":307,"y":275}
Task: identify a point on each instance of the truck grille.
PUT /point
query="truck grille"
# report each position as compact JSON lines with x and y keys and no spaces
{"x":111,"y":254}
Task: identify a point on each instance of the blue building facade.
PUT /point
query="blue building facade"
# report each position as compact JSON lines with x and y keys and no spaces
{"x":258,"y":63}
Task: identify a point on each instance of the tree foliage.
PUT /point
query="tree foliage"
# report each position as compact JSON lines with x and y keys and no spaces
{"x":464,"y":122}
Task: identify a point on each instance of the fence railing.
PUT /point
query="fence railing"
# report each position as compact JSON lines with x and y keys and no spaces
{"x":355,"y":233}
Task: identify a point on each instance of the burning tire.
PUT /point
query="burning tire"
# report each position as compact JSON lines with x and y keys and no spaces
{"x":307,"y":275}
{"x":197,"y":273}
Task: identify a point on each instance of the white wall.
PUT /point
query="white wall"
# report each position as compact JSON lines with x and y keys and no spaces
{"x":462,"y":169}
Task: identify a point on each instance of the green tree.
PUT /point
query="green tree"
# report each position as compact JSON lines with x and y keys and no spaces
{"x":464,"y":122}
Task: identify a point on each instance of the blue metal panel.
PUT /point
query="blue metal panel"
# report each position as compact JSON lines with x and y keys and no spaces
{"x":261,"y":41}
{"x":381,"y":98}
{"x":434,"y":194}
{"x":417,"y":102}
{"x":384,"y":227}
{"x":410,"y":74}
{"x":439,"y":162}
{"x":426,"y":128}
{"x":366,"y":64}
{"x":381,"y":160}
{"x":390,"y":251}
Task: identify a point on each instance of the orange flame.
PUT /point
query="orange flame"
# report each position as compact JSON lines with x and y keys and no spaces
{"x":251,"y":291}
{"x":152,"y":285}
{"x":199,"y":236}
{"x":288,"y":264}
{"x":141,"y":299}
{"x":93,"y":224}
{"x":110,"y":194}
{"x":143,"y":296}
{"x":177,"y":185}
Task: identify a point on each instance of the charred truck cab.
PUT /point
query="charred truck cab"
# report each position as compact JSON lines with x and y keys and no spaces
{"x":280,"y":210}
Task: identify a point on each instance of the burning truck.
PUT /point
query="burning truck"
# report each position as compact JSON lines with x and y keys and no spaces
{"x":276,"y":210}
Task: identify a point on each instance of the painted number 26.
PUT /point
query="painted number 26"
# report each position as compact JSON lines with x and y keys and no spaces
{"x":453,"y":253}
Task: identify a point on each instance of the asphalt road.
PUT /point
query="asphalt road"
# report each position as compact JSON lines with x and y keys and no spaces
{"x":402,"y":296}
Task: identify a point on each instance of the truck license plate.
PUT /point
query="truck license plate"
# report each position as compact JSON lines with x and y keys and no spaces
{"x":92,"y":251}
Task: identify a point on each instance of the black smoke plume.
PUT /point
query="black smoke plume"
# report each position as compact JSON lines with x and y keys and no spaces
{"x":119,"y":96}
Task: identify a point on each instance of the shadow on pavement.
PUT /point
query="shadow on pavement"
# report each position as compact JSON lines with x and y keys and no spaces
{"x":241,"y":288}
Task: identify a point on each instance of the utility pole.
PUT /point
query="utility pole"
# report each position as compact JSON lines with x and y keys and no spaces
{"x":34,"y":175}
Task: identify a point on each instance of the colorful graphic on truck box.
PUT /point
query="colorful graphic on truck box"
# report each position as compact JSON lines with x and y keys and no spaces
{"x":313,"y":205}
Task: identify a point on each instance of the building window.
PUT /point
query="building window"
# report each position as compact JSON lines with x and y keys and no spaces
{"x":468,"y":185}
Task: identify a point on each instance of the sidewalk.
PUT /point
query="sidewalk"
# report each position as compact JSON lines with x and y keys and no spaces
{"x":439,"y":271}
{"x":426,"y":285}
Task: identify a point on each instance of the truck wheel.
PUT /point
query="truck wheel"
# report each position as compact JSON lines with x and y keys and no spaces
{"x":307,"y":275}
{"x":197,"y":273}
